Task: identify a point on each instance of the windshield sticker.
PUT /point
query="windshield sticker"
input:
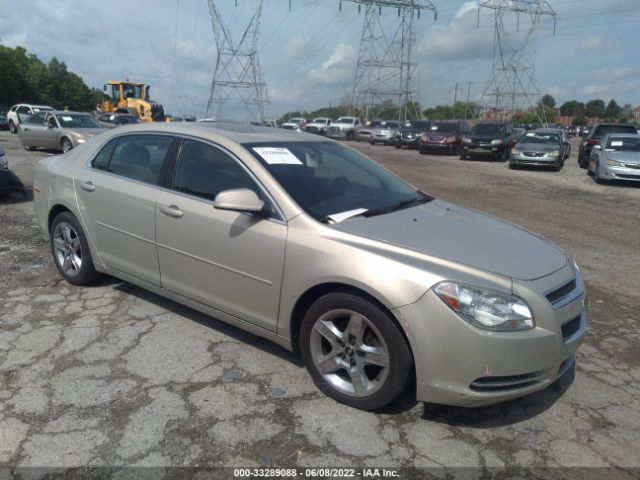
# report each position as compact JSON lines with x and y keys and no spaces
{"x":435,"y":127}
{"x":339,"y":217}
{"x":531,"y":134}
{"x":277,"y":156}
{"x":617,"y":143}
{"x":67,"y":119}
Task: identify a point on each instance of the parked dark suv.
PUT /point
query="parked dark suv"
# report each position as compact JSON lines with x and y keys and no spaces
{"x":595,"y":135}
{"x":489,"y":139}
{"x":409,"y":133}
{"x":444,"y":136}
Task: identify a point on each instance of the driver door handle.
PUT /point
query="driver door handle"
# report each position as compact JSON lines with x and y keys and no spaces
{"x":171,"y":210}
{"x":87,"y":186}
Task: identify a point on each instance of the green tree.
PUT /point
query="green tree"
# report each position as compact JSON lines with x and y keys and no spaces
{"x":572,"y":108}
{"x":548,"y":100}
{"x":580,"y":120}
{"x":613,"y":110}
{"x":595,"y":108}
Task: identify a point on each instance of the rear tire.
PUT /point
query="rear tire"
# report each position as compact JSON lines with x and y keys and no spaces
{"x":354,"y":351}
{"x":12,"y":127}
{"x":463,"y":156}
{"x":70,"y":250}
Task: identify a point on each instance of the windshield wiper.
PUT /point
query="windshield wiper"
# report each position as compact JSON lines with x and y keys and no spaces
{"x":422,"y":198}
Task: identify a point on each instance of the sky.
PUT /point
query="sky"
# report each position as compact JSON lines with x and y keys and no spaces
{"x":308,"y":54}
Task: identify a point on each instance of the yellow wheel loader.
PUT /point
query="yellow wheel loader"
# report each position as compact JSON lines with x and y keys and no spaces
{"x":133,"y":98}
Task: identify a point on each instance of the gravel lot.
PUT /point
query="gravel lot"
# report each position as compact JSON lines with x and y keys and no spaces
{"x":113,"y":375}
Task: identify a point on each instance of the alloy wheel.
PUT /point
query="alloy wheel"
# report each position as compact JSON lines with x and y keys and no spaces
{"x":67,"y":249}
{"x":349,"y":352}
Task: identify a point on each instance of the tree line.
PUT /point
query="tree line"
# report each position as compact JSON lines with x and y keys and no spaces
{"x":24,"y":78}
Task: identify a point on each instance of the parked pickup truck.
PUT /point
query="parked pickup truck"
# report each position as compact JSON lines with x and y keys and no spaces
{"x":345,"y":127}
{"x":318,"y":125}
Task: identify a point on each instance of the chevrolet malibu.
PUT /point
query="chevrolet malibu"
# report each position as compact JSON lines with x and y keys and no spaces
{"x":312,"y":245}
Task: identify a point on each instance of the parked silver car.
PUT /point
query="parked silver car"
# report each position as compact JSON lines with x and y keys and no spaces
{"x":113,"y":120}
{"x":381,"y":284}
{"x":542,"y":147}
{"x":57,"y":130}
{"x":617,"y":157}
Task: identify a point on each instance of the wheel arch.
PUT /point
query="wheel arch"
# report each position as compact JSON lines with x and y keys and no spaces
{"x":56,"y":210}
{"x":312,"y":294}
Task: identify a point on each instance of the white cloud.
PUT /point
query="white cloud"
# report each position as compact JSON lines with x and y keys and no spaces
{"x":592,"y":45}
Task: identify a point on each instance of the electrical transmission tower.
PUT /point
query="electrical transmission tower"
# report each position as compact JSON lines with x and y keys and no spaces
{"x":237,"y":68}
{"x":387,"y":68}
{"x":511,"y":86}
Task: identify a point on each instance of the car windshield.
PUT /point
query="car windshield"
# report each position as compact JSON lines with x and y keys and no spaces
{"x":76,"y":120}
{"x":540,"y":137}
{"x":124,"y":119}
{"x":330,"y":181}
{"x":444,"y":127}
{"x":603,"y":130}
{"x":41,"y":109}
{"x":346,"y":120}
{"x":416,"y":125}
{"x":624,"y":144}
{"x":388,"y":125}
{"x":319,"y":120}
{"x":487,"y":129}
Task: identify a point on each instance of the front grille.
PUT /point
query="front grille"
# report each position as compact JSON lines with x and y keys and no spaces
{"x":506,"y":383}
{"x":561,"y":292}
{"x":570,"y":328}
{"x":534,"y":154}
{"x":635,"y":166}
{"x":630,"y":177}
{"x":436,"y":139}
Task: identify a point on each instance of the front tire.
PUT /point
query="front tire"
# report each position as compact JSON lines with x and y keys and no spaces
{"x":65,"y":145}
{"x":70,"y":250}
{"x":354,"y":351}
{"x":12,"y":127}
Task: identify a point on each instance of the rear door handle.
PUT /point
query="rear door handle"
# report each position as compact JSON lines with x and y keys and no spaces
{"x":87,"y":186}
{"x":171,"y":210}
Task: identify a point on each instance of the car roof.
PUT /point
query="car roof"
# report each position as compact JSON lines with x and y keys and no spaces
{"x":624,"y":135}
{"x":547,"y":130}
{"x":235,"y":131}
{"x":68,"y":112}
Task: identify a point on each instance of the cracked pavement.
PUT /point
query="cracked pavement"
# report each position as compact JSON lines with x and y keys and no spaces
{"x":113,"y":375}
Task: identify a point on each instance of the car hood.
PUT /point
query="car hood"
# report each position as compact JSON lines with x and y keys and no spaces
{"x":626,"y":157}
{"x":465,"y":236}
{"x":484,"y":138}
{"x":536,"y":147}
{"x":340,"y":124}
{"x":88,"y":132}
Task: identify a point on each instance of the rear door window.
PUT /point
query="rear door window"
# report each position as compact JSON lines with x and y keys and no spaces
{"x":140,"y":157}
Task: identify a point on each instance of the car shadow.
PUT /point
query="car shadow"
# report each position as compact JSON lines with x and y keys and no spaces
{"x":502,"y":414}
{"x":17,"y":197}
{"x":205,"y":320}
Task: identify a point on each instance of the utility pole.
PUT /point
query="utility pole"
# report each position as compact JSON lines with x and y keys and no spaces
{"x":237,"y":69}
{"x":511,"y":84}
{"x":455,"y":100}
{"x":466,"y":105}
{"x":387,"y":66}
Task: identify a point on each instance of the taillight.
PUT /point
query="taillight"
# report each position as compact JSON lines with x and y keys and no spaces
{"x":593,"y":141}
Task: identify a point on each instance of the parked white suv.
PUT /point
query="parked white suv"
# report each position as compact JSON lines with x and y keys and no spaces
{"x":318,"y":125}
{"x":24,"y":109}
{"x":294,"y":123}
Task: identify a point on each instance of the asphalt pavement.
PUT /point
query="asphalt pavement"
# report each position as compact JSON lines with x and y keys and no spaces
{"x":112,"y":375}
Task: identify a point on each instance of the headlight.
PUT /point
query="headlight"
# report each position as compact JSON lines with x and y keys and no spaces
{"x":515,"y":151}
{"x":466,"y":140}
{"x":486,"y":309}
{"x":614,"y":163}
{"x":4,"y":163}
{"x":450,"y":139}
{"x":555,"y":153}
{"x":497,"y":141}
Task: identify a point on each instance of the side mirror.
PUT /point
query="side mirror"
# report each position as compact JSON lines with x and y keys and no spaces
{"x":597,"y":147}
{"x":239,"y":200}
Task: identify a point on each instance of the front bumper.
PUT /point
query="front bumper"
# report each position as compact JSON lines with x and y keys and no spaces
{"x":483,"y":150}
{"x":438,"y":147}
{"x":459,"y":364}
{"x":619,"y":173}
{"x":536,"y":161}
{"x":383,"y":137}
{"x":338,"y":133}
